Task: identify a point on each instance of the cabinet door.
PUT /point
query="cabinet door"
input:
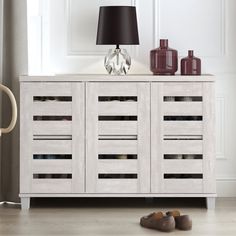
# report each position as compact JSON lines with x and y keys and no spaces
{"x":52,"y":138}
{"x":182,"y":146}
{"x":118,"y":137}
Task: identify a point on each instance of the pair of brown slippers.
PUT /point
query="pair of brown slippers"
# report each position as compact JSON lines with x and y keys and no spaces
{"x":166,"y":222}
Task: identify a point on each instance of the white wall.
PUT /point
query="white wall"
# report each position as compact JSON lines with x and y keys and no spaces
{"x":64,"y":42}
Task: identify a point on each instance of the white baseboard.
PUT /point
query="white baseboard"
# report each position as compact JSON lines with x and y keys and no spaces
{"x":226,"y":187}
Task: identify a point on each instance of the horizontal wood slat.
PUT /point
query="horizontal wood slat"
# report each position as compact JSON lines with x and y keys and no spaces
{"x":52,"y":128}
{"x":182,"y":147}
{"x":117,"y":108}
{"x":50,"y":89}
{"x":51,"y":186}
{"x":182,"y":89}
{"x":118,"y":166}
{"x":182,"y":166}
{"x":117,"y":89}
{"x":52,"y":147}
{"x":182,"y":127}
{"x":52,"y":166}
{"x":117,"y":147}
{"x":182,"y":108}
{"x":117,"y":186}
{"x":117,"y":128}
{"x":182,"y":186}
{"x":52,"y":108}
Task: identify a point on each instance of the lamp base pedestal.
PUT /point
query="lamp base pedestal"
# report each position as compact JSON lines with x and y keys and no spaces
{"x":117,"y":62}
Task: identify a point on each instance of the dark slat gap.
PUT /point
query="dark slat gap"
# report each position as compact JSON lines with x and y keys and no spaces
{"x":182,"y":118}
{"x":117,"y":156}
{"x":117,"y":98}
{"x":183,"y":156}
{"x":186,"y":138}
{"x":117,"y":137}
{"x":52,"y":157}
{"x":182,"y":98}
{"x":116,"y":118}
{"x":183,"y":176}
{"x":52,"y":118}
{"x":52,"y":176}
{"x":117,"y":176}
{"x":52,"y":98}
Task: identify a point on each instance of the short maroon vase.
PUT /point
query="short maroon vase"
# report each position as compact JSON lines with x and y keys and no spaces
{"x":164,"y":60}
{"x":190,"y":65}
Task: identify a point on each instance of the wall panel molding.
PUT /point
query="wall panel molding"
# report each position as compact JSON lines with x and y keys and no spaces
{"x":86,"y":51}
{"x":226,"y":187}
{"x":70,"y":51}
{"x":220,"y":127}
{"x":156,"y":24}
{"x":158,"y":27}
{"x":223,"y":179}
{"x":223,"y":28}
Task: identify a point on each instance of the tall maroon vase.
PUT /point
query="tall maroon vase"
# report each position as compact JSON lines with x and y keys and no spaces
{"x":164,"y":60}
{"x":190,"y":65}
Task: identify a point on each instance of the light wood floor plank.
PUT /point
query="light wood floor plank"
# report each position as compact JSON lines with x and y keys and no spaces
{"x":113,"y":217}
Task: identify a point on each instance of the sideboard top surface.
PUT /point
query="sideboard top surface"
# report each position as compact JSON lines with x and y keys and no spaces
{"x":111,"y":78}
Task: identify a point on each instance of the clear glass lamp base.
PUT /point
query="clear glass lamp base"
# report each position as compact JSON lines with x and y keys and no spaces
{"x":117,"y":62}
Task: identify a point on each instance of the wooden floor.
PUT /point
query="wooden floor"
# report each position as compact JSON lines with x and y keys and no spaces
{"x":113,"y":217}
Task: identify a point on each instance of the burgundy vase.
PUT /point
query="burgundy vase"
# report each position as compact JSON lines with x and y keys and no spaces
{"x":190,"y":65}
{"x":164,"y":60}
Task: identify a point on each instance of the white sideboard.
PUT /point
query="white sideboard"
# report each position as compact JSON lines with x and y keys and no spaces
{"x":117,"y":136}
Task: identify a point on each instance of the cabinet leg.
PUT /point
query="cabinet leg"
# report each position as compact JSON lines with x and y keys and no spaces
{"x":210,"y":203}
{"x":25,"y":203}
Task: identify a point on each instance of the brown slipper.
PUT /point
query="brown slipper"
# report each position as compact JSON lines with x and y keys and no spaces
{"x":182,"y":222}
{"x":158,"y":221}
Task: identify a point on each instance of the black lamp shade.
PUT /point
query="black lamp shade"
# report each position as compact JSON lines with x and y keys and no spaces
{"x":117,"y":25}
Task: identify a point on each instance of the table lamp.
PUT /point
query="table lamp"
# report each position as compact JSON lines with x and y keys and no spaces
{"x":117,"y":25}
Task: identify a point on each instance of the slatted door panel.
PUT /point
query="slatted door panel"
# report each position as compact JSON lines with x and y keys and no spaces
{"x":118,"y":136}
{"x":52,"y":153}
{"x":182,"y":154}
